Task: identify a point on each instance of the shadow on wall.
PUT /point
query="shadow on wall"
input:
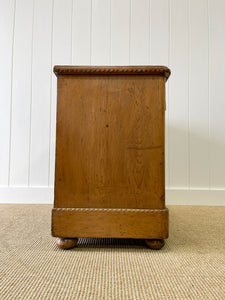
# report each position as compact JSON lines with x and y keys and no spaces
{"x":193,"y":159}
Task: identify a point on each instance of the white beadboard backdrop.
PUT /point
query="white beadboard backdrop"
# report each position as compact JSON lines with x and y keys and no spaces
{"x":186,"y":35}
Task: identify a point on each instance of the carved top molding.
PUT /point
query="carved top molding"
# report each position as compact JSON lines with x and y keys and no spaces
{"x":90,"y":209}
{"x":113,"y":70}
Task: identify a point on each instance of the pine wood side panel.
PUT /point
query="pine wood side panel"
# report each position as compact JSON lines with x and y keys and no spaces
{"x":110,"y":141}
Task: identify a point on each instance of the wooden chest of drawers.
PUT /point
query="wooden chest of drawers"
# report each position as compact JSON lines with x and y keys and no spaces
{"x":109,"y":172}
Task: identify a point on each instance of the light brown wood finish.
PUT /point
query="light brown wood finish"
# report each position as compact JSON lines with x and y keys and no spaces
{"x":66,"y":243}
{"x":115,"y":133}
{"x":108,"y":222}
{"x":110,"y":152}
{"x":155,"y":244}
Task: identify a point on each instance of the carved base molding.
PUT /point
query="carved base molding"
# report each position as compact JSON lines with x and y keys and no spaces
{"x":110,"y":222}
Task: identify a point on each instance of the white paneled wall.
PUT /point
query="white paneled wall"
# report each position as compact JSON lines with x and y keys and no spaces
{"x":186,"y":35}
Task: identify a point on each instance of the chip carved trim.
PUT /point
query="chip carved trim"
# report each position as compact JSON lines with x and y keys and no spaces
{"x":91,"y":209}
{"x":114,"y":70}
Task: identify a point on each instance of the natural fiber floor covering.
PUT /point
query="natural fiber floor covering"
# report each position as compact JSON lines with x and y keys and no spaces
{"x":190,"y":266}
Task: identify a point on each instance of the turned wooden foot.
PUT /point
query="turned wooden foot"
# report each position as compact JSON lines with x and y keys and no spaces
{"x":63,"y":243}
{"x":155,"y":244}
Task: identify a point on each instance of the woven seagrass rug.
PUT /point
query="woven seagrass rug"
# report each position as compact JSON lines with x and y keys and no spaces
{"x":190,"y":266}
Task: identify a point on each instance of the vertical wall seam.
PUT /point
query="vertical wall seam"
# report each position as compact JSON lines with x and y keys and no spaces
{"x":110,"y":32}
{"x":130,"y":9}
{"x":11,"y":94}
{"x":149,"y":36}
{"x":209,"y":98}
{"x":168,"y":86}
{"x":91,"y":20}
{"x":50,"y":102}
{"x":31,"y":93}
{"x":189,"y":59}
{"x":71,"y":48}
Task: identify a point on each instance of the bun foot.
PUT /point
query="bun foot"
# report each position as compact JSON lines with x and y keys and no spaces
{"x":155,"y":244}
{"x":63,"y":243}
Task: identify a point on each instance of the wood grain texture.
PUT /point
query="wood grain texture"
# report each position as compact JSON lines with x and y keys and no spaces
{"x":110,"y":145}
{"x":117,"y":223}
{"x":110,"y":171}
